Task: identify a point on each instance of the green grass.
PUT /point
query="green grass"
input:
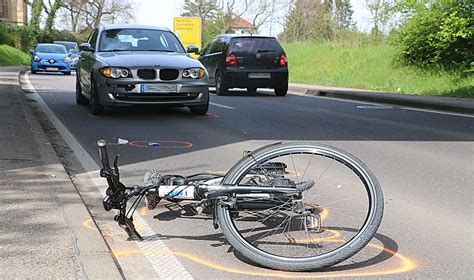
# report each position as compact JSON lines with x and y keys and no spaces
{"x":369,"y":67}
{"x":10,"y":56}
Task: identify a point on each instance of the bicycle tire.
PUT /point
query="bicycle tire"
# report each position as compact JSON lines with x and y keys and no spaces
{"x":297,"y":263}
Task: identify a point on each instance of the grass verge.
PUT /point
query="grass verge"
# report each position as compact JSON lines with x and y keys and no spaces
{"x":10,"y":56}
{"x":369,"y":67}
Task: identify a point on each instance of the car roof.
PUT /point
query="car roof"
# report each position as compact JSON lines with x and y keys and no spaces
{"x":71,"y":42}
{"x":131,"y":26}
{"x":49,"y":44}
{"x":245,"y":36}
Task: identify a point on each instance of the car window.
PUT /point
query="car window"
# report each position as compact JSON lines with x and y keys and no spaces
{"x":93,"y":38}
{"x":208,"y":48}
{"x":139,"y":40}
{"x":218,"y":46}
{"x":70,"y":46}
{"x":251,"y":45}
{"x":51,"y":49}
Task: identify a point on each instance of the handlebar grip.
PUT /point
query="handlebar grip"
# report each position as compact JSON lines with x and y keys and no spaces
{"x":104,"y":157}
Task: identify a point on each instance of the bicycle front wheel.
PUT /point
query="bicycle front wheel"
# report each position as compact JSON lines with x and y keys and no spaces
{"x":333,"y":212}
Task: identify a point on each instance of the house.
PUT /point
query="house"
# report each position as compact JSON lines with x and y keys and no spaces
{"x":240,"y":25}
{"x":13,"y":12}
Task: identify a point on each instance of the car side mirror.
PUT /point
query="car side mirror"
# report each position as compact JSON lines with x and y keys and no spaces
{"x":192,"y":49}
{"x":32,"y":52}
{"x":86,"y":47}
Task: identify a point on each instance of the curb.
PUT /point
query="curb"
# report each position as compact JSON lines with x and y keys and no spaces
{"x":91,"y":249}
{"x":418,"y":101}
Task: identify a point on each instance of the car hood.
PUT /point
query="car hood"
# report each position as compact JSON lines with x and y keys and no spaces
{"x":148,"y":59}
{"x":55,"y":56}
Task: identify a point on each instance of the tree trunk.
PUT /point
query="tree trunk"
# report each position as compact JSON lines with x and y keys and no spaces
{"x":52,"y":15}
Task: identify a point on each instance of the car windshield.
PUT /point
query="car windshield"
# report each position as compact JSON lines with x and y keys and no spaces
{"x":70,"y":46}
{"x":139,"y":40}
{"x":253,"y":45}
{"x":50,"y":49}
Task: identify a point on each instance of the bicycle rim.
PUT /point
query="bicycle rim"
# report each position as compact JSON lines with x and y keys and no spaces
{"x":337,"y":213}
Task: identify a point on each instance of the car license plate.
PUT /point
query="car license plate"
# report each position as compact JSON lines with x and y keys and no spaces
{"x":154,"y":88}
{"x":51,"y":68}
{"x":259,"y":76}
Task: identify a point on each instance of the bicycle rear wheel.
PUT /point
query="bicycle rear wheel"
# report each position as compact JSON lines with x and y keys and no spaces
{"x":335,"y":210}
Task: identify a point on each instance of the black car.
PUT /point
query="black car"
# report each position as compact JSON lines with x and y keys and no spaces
{"x":246,"y":61}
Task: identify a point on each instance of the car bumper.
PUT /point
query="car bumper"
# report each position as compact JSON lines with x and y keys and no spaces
{"x":48,"y":67}
{"x":115,"y":93}
{"x":240,"y":78}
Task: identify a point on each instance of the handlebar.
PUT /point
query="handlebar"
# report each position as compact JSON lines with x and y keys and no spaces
{"x":104,"y":157}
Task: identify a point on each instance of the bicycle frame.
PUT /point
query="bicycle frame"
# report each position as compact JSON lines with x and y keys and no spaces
{"x":209,"y":191}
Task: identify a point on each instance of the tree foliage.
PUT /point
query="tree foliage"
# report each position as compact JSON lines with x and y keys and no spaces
{"x":318,"y":20}
{"x":438,"y":33}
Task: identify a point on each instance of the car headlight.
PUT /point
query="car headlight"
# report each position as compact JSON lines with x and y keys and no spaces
{"x":194,"y":73}
{"x":115,"y":72}
{"x":36,"y":58}
{"x":75,"y":60}
{"x":67,"y":59}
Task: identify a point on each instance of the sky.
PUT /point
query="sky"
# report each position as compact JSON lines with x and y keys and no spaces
{"x":162,"y":12}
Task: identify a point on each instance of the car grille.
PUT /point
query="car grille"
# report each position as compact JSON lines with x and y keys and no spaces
{"x":168,"y":74}
{"x":146,"y":74}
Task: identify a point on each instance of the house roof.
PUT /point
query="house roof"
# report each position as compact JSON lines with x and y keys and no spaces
{"x":241,"y":23}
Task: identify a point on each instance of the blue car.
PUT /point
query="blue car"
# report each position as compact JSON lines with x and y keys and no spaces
{"x":50,"y":58}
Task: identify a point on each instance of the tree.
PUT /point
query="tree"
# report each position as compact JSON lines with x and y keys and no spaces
{"x":51,"y":12}
{"x":87,"y":14}
{"x":342,"y":15}
{"x":381,"y":12}
{"x":308,"y":20}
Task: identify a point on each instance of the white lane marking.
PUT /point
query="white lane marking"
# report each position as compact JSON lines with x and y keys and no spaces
{"x":222,"y":106}
{"x":167,"y":266}
{"x":438,"y":112}
{"x":433,"y":111}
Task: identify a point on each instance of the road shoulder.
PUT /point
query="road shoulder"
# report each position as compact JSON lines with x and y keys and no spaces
{"x":51,"y":234}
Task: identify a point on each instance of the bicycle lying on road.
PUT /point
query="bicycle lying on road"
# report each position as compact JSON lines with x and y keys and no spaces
{"x":292,"y":207}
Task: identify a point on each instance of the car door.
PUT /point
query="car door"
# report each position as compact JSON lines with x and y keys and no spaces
{"x":213,"y":58}
{"x":205,"y":59}
{"x":87,"y":60}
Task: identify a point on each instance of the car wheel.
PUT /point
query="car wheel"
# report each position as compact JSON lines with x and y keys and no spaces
{"x":251,"y":90}
{"x":221,"y":86}
{"x":67,"y":73}
{"x":200,"y":110}
{"x":281,"y":91}
{"x":95,"y":106}
{"x":80,"y":98}
{"x":33,"y":71}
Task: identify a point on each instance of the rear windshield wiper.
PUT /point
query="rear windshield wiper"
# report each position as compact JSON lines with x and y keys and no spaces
{"x":264,"y":51}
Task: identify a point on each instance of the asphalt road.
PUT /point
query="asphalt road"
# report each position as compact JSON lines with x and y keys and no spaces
{"x":423,"y":160}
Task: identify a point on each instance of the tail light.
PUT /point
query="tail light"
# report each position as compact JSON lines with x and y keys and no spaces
{"x":230,"y":59}
{"x":283,"y":60}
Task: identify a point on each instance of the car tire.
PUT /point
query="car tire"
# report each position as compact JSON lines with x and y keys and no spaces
{"x":199,"y":110}
{"x":281,"y":91}
{"x":80,"y":98}
{"x":252,"y":90}
{"x":33,"y":72}
{"x":95,"y":106}
{"x":221,"y":85}
{"x":67,"y":73}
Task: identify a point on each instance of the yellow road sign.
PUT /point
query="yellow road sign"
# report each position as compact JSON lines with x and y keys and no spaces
{"x":188,"y":30}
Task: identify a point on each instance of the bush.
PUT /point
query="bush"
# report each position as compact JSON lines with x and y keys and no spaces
{"x":25,"y":37}
{"x":442,"y":34}
{"x":12,"y":56}
{"x":6,"y":36}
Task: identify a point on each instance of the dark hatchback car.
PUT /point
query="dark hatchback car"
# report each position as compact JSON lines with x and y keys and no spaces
{"x":246,"y":61}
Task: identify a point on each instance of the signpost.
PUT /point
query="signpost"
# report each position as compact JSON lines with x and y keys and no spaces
{"x":188,"y":30}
